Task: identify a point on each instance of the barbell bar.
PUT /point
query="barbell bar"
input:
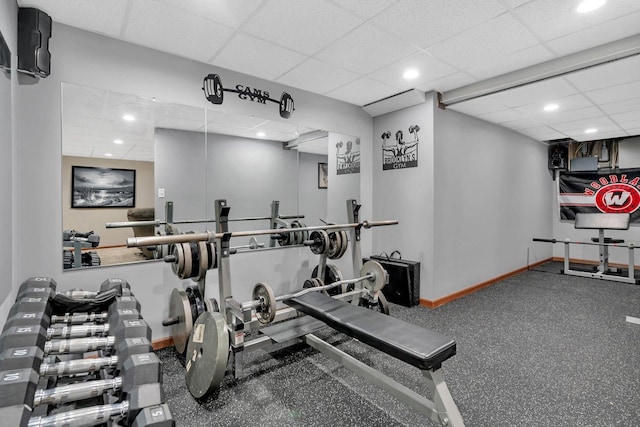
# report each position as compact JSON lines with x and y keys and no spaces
{"x":567,"y":241}
{"x":124,"y":224}
{"x":210,"y":236}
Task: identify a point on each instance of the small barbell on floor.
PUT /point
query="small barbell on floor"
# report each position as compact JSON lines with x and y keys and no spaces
{"x":264,"y":301}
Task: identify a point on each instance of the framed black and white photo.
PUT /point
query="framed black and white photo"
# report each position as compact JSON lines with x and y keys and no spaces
{"x":323,"y":175}
{"x":102,"y":187}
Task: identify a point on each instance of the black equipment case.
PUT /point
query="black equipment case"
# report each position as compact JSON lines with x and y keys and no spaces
{"x":404,"y":279}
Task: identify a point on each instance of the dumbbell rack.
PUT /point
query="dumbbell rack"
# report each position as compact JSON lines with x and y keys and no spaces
{"x":61,"y":365}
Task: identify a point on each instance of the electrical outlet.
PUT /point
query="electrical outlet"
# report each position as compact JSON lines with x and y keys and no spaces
{"x":161,"y":193}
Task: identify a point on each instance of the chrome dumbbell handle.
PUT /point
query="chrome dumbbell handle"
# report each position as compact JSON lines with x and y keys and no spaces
{"x":77,"y":366}
{"x":73,"y":392}
{"x":84,"y":417}
{"x":78,"y":345}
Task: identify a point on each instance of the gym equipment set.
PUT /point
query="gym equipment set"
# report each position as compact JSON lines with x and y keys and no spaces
{"x":600,"y":222}
{"x":213,"y":335}
{"x":78,"y":240}
{"x":79,"y":358}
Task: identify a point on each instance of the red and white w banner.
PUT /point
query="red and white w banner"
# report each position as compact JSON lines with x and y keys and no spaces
{"x":611,"y":192}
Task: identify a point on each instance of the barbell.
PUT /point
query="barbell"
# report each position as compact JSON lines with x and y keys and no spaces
{"x":210,"y":236}
{"x":567,"y":241}
{"x":124,"y":224}
{"x":264,"y":300}
{"x":214,"y":92}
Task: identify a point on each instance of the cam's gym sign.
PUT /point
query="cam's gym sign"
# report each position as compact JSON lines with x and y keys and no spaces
{"x":214,"y":92}
{"x":589,"y":192}
{"x":403,"y":154}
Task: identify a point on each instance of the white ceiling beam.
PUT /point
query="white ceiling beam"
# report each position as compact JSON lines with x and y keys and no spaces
{"x":613,"y":51}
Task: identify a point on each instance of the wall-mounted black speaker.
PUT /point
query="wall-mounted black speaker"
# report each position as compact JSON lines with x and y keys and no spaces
{"x":558,"y":155}
{"x":34,"y":31}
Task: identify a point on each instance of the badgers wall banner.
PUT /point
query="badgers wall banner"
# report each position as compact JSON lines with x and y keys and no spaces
{"x":617,"y":191}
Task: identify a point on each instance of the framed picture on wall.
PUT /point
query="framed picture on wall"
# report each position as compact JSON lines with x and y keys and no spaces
{"x":102,"y":187}
{"x":323,"y":175}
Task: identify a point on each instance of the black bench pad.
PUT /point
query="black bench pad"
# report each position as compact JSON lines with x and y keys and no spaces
{"x":412,"y":344}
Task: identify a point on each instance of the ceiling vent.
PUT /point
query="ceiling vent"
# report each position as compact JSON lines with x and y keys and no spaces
{"x":396,"y":102}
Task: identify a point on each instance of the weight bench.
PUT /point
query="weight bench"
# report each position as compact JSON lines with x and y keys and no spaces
{"x":602,"y":222}
{"x":424,"y":349}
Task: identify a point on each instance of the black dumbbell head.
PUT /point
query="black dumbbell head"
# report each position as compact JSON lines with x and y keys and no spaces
{"x":16,"y":415}
{"x":38,"y":282}
{"x":34,"y":291}
{"x":131,"y":346}
{"x":119,"y":315}
{"x":113,"y":282}
{"x":136,"y":328}
{"x":141,"y":397}
{"x":17,"y":386}
{"x":23,"y":336}
{"x":155,"y":416}
{"x":213,"y":90}
{"x":28,"y":318}
{"x":139,"y":369}
{"x":286,"y":105}
{"x":21,"y":358}
{"x":31,"y":304}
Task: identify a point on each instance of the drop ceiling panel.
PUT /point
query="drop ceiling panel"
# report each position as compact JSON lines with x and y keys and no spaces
{"x":522,"y":124}
{"x":366,"y":49}
{"x":175,"y":31}
{"x":258,"y":58}
{"x":606,"y":32}
{"x":601,"y":123}
{"x":430,"y":69}
{"x":502,"y":116}
{"x":615,"y":93}
{"x":317,"y":76}
{"x":631,"y":116}
{"x":96,"y":16}
{"x":568,"y":103}
{"x":477,"y":106}
{"x":309,"y":26}
{"x":449,"y":82}
{"x":619,"y":72}
{"x":364,"y":10}
{"x":543,"y":133}
{"x":485,"y":43}
{"x":362,"y":91}
{"x":231,"y":13}
{"x":511,"y":62}
{"x":571,"y":115}
{"x":537,"y":93}
{"x":426,"y":23}
{"x":550,"y":19}
{"x":621,"y":106}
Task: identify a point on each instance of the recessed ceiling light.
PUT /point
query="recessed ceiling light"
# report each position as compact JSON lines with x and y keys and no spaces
{"x":108,"y":154}
{"x":590,"y":5}
{"x":551,"y":107}
{"x":261,"y":134}
{"x":128,"y":118}
{"x":411,"y":73}
{"x":591,"y":130}
{"x":118,"y":141}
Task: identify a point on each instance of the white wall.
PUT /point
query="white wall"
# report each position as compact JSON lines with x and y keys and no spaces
{"x":491,"y":198}
{"x":407,"y":194}
{"x":8,"y":172}
{"x":88,"y":59}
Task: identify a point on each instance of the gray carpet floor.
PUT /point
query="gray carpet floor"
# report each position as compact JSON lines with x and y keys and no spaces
{"x":537,"y":349}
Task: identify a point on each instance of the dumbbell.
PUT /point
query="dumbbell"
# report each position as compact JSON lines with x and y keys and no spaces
{"x":123,"y":323}
{"x":46,"y":287}
{"x":142,"y":406}
{"x":137,"y":369}
{"x":214,"y":92}
{"x":77,"y":236}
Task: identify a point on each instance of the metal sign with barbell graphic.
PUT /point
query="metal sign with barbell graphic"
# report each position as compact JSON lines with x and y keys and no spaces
{"x":214,"y":92}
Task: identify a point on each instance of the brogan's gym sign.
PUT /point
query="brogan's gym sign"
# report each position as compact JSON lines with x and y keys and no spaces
{"x":589,"y":192}
{"x":403,"y":154}
{"x":214,"y":92}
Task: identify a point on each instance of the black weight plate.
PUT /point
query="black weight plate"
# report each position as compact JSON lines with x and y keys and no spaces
{"x":213,"y":90}
{"x":207,"y":354}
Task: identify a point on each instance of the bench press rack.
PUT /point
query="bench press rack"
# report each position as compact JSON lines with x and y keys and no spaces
{"x":220,"y":335}
{"x":600,"y":222}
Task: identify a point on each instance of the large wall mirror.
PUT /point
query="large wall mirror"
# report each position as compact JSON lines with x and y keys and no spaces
{"x":127,"y":158}
{"x":5,"y":137}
